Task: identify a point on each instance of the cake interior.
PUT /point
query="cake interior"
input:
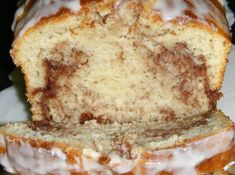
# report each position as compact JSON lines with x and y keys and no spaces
{"x":120,"y":66}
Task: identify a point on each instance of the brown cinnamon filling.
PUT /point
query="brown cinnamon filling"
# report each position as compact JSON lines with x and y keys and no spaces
{"x":89,"y":116}
{"x":182,"y":125}
{"x":185,"y":70}
{"x":55,"y":70}
{"x":41,"y":124}
{"x":168,"y":114}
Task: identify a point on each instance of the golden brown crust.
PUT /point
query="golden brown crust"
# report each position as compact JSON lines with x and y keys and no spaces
{"x":223,"y":67}
{"x":2,"y":150}
{"x":197,"y":24}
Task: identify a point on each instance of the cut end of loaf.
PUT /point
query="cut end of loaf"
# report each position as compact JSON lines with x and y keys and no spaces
{"x":122,"y":83}
{"x":120,"y":65}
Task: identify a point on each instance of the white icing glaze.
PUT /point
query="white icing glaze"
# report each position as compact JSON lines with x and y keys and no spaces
{"x":58,"y":153}
{"x":28,"y":160}
{"x":4,"y":161}
{"x":32,"y":161}
{"x":90,"y":165}
{"x":117,"y":164}
{"x":179,"y":161}
{"x":40,"y":9}
{"x":170,"y":10}
{"x":18,"y":13}
{"x":183,"y":160}
{"x":120,"y":165}
{"x":202,"y":9}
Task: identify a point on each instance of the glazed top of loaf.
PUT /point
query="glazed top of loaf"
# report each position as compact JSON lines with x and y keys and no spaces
{"x":209,"y":13}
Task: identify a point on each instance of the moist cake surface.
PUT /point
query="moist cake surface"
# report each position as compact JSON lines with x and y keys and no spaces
{"x":121,"y":60}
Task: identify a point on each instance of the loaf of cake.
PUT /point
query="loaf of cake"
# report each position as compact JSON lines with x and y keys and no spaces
{"x":200,"y":145}
{"x":120,"y":87}
{"x":121,"y":60}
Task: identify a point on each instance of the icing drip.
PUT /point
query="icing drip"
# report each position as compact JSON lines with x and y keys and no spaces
{"x":119,"y":164}
{"x":40,"y":161}
{"x":26,"y":160}
{"x":170,"y":9}
{"x":4,"y":161}
{"x":18,"y":13}
{"x":40,"y":9}
{"x":202,"y":10}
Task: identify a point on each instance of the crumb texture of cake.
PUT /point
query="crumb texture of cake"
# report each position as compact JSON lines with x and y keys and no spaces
{"x":121,"y":60}
{"x":140,"y":149}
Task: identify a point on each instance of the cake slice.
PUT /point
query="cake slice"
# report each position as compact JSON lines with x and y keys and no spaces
{"x":199,"y":145}
{"x":121,"y":60}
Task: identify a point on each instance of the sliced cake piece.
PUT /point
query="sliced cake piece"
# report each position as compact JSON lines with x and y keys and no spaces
{"x":121,"y":60}
{"x":199,"y":145}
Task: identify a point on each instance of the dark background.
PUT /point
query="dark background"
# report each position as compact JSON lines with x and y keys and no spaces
{"x":7,"y":10}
